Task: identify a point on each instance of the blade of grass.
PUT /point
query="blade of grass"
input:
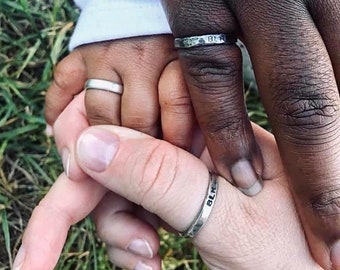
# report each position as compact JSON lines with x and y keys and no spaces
{"x":18,"y":131}
{"x":31,"y":53}
{"x":5,"y":229}
{"x":58,"y":47}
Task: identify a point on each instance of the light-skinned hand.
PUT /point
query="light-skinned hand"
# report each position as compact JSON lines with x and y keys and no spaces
{"x":169,"y":183}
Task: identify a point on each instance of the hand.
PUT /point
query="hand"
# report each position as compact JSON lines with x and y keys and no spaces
{"x":138,"y":63}
{"x":295,"y":50}
{"x":242,"y":233}
{"x":158,"y":77}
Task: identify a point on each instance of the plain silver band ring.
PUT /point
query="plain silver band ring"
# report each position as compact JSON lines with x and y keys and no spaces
{"x":104,"y":85}
{"x":205,"y":40}
{"x":205,"y":210}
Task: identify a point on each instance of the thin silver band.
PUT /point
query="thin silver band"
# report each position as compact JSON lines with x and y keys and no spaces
{"x":205,"y":210}
{"x":105,"y":85}
{"x":205,"y":40}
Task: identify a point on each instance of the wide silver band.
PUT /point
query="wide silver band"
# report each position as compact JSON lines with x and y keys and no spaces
{"x":205,"y":40}
{"x":205,"y":210}
{"x":104,"y":85}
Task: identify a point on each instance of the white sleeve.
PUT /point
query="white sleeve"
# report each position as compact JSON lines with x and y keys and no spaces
{"x":102,"y":20}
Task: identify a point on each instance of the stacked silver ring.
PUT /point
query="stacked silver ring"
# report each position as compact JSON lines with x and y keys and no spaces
{"x":204,"y":40}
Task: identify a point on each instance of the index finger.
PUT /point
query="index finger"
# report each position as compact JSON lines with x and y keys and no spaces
{"x":78,"y":200}
{"x":69,"y":78}
{"x":214,"y":78}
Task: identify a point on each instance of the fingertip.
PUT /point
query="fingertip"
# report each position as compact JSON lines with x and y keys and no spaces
{"x":253,"y":190}
{"x":49,"y":130}
{"x":127,"y":260}
{"x":141,"y":247}
{"x":66,"y":160}
{"x":335,"y":255}
{"x":19,"y":258}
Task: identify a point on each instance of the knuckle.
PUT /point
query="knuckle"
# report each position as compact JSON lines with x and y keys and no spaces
{"x":193,"y":18}
{"x":327,"y":203}
{"x":142,"y":49}
{"x":231,"y":126}
{"x":159,"y":172}
{"x":101,"y":116}
{"x":225,"y":116}
{"x":139,"y":122}
{"x":325,"y":207}
{"x":149,"y":52}
{"x":307,"y":110}
{"x":64,"y":74}
{"x":177,"y":104}
{"x":210,"y":71}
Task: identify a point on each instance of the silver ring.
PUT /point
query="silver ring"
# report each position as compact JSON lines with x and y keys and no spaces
{"x":205,"y":40}
{"x":205,"y":210}
{"x":104,"y":85}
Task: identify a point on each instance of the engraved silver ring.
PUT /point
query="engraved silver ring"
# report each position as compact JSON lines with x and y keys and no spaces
{"x":206,"y":208}
{"x":104,"y":85}
{"x":204,"y":40}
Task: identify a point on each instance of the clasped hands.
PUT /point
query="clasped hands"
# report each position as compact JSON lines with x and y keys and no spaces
{"x":298,"y":77}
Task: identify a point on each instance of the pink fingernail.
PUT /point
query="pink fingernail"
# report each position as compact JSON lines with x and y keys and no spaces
{"x":19,"y":259}
{"x":335,"y":254}
{"x":96,"y":148}
{"x":141,"y":247}
{"x":66,"y":159}
{"x":49,"y":131}
{"x":245,"y":178}
{"x":142,"y":266}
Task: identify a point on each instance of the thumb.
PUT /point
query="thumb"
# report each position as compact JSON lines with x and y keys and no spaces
{"x":149,"y":172}
{"x":172,"y":184}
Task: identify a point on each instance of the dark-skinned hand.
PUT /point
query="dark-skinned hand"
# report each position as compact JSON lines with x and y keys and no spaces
{"x":295,"y":50}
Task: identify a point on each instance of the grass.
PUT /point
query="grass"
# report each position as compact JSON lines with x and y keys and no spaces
{"x":33,"y":38}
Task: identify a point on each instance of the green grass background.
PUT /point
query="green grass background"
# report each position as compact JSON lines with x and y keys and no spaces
{"x":33,"y":38}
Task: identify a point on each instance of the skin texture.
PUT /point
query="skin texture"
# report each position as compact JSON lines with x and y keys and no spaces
{"x":241,"y":233}
{"x":295,"y":50}
{"x":136,"y":63}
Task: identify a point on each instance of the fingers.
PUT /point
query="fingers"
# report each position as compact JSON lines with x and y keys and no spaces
{"x":102,"y":107}
{"x":327,"y":20}
{"x":69,"y":79}
{"x":161,"y":178}
{"x":51,"y":219}
{"x":131,"y":240}
{"x":127,"y":260}
{"x":155,"y":171}
{"x":137,"y":64}
{"x":177,"y":114}
{"x":140,"y":106}
{"x":296,"y":79}
{"x":69,"y":125}
{"x":214,"y":78}
{"x":126,"y":145}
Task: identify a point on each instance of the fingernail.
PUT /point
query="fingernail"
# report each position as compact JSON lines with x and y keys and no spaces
{"x":48,"y":131}
{"x":65,"y":157}
{"x":141,"y":247}
{"x":335,"y":254}
{"x":245,"y":178}
{"x":142,"y":266}
{"x":96,"y":148}
{"x":19,"y":259}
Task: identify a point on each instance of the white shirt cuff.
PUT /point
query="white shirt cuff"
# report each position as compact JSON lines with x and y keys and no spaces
{"x":102,"y":20}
